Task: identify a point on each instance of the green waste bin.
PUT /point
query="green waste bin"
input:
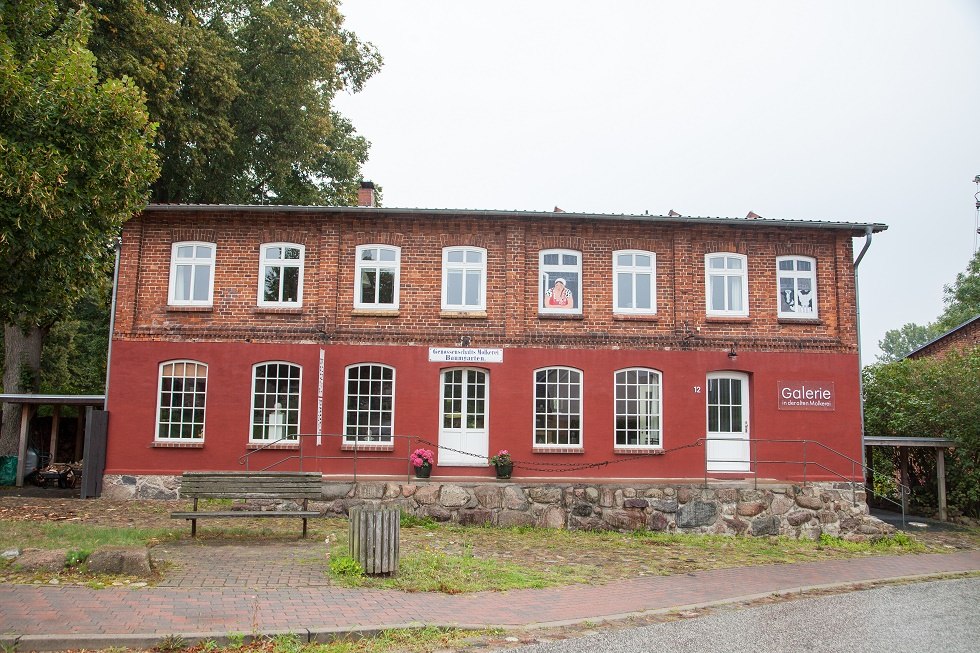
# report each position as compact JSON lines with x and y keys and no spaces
{"x":8,"y":470}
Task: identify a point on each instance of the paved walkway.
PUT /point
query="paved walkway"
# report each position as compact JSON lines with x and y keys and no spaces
{"x":58,"y":617}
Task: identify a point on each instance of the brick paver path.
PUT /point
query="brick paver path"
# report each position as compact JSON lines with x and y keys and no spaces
{"x":77,"y":610}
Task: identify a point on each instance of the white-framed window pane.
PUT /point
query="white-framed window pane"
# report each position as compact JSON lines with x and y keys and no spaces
{"x":557,"y":407}
{"x":281,"y":283}
{"x":796,"y":277}
{"x":638,"y":408}
{"x":644,"y":288}
{"x":718,"y":293}
{"x":275,"y":402}
{"x":625,"y":290}
{"x":376,"y":277}
{"x":464,"y":275}
{"x":369,"y":406}
{"x":735,"y":293}
{"x":634,"y":281}
{"x":181,"y":401}
{"x":191,"y":270}
{"x":726,"y":284}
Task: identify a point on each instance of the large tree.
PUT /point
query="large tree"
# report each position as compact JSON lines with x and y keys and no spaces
{"x":75,"y":162}
{"x":243,"y":93}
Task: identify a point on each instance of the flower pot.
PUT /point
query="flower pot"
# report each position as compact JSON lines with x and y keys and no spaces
{"x":504,"y":470}
{"x":423,"y":471}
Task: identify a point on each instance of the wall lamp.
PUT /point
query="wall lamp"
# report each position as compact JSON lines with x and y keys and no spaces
{"x":732,"y":354}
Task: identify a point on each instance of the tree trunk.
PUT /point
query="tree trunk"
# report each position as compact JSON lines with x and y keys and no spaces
{"x":21,"y":373}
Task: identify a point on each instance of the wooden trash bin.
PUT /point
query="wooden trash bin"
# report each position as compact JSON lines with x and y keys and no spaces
{"x":374,"y":539}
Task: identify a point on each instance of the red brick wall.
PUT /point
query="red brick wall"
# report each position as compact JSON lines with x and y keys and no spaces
{"x":512,"y":248}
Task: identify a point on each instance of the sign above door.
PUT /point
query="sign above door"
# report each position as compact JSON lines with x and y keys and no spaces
{"x":465,"y":355}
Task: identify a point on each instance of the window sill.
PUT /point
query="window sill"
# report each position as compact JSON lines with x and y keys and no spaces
{"x":375,"y":312}
{"x":633,"y":451}
{"x":730,"y":319}
{"x":350,"y":446}
{"x":560,"y":316}
{"x":800,"y":320}
{"x":279,"y":310}
{"x":576,"y":450}
{"x":636,"y":317}
{"x":176,"y":308}
{"x":254,"y":446}
{"x":463,"y":315}
{"x":177,"y":445}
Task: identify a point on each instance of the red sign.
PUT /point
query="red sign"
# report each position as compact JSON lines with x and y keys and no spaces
{"x":805,"y":395}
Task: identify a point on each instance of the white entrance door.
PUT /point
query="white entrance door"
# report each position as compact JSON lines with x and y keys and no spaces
{"x":463,"y":437}
{"x":728,"y":422}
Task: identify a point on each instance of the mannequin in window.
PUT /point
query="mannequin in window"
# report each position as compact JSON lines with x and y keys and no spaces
{"x":277,"y":424}
{"x":559,"y":296}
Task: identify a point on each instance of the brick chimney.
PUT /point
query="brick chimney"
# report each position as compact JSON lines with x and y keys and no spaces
{"x":365,"y":194}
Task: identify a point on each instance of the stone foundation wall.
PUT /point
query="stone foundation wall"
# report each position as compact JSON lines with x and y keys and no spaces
{"x":791,"y":510}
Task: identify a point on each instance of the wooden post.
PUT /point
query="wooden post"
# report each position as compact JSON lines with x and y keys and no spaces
{"x":79,"y":433}
{"x":903,"y":465}
{"x":373,"y":539}
{"x":25,"y":411}
{"x":941,"y":480}
{"x":53,"y":445}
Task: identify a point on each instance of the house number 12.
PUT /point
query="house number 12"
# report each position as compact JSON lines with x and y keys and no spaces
{"x":697,"y":389}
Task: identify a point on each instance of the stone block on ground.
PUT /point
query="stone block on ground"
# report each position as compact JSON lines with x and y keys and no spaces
{"x":475,"y":517}
{"x":765,"y":526}
{"x":514,"y":518}
{"x":696,"y":513}
{"x":41,"y":560}
{"x":130,"y":561}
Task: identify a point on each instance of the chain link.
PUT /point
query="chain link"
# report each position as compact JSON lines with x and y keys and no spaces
{"x":541,"y":466}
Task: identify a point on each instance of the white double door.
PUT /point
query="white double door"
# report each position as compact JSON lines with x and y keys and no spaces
{"x":463,"y":434}
{"x":728,"y":422}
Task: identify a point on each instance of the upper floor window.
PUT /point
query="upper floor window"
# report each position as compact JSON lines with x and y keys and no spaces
{"x":180,"y":401}
{"x":192,"y":274}
{"x":726,"y":284}
{"x":370,"y":404}
{"x":560,"y":286}
{"x":638,"y":408}
{"x":797,"y":278}
{"x":281,"y":280}
{"x":464,"y":279}
{"x":634,"y":282}
{"x":275,"y":402}
{"x":558,"y":407}
{"x":376,"y":277}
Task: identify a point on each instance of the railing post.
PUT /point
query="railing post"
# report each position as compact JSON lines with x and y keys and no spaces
{"x":705,"y":462}
{"x":804,"y":463}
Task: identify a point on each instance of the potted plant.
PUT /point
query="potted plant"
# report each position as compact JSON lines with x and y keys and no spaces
{"x":422,"y":460}
{"x":503,"y":463}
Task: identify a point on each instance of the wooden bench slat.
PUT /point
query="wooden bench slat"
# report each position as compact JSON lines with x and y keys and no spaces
{"x":245,"y":513}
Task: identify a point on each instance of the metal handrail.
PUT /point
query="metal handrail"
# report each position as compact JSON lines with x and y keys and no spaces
{"x":356,"y":447}
{"x":754,"y":462}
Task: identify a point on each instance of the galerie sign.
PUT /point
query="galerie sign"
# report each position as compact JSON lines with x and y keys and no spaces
{"x":805,"y":395}
{"x":465,"y":355}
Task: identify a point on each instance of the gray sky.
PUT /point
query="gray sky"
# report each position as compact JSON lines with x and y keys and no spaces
{"x":864,"y":111}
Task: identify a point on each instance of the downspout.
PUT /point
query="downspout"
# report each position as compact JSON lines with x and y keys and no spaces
{"x":112,"y":322}
{"x":857,"y":306}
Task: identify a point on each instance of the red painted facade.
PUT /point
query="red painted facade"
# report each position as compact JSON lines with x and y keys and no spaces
{"x":680,"y":341}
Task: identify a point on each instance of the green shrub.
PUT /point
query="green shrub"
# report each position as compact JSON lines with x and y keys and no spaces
{"x":346,"y":567}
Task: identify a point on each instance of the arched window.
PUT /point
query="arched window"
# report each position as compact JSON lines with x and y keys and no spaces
{"x":181,"y":401}
{"x":557,"y":407}
{"x":275,"y":402}
{"x":369,"y":398}
{"x":638,"y":408}
{"x":281,"y":275}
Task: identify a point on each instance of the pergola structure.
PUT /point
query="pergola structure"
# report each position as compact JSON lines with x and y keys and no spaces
{"x":904,"y":444}
{"x":26,"y":401}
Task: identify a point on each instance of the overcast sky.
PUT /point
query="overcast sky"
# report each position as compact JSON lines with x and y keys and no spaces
{"x":864,"y":111}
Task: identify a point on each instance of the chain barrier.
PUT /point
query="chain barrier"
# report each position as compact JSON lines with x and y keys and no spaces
{"x":564,"y":467}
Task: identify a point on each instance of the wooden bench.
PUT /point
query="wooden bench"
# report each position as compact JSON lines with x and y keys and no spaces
{"x":249,"y":485}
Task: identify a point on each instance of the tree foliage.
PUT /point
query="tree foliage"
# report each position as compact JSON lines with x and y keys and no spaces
{"x":243,"y":92}
{"x":75,"y":161}
{"x":962,"y":302}
{"x":931,"y":397}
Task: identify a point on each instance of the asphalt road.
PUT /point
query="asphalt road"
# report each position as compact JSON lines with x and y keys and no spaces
{"x":918,"y":617}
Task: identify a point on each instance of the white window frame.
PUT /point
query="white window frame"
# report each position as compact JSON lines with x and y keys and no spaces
{"x":193,"y":262}
{"x":657,"y":398}
{"x":633,"y":270}
{"x":727,"y":273}
{"x":282,"y":264}
{"x":796,"y":275}
{"x":547,"y":272}
{"x":290,"y":427}
{"x":368,"y":439}
{"x":559,"y":413}
{"x":464,"y":267}
{"x":197,"y":428}
{"x":377,"y":266}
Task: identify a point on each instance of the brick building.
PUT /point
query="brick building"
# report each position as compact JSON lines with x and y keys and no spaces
{"x":965,"y":336}
{"x":588,"y":345}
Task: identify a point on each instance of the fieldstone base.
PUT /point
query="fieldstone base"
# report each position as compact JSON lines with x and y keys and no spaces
{"x":791,"y":510}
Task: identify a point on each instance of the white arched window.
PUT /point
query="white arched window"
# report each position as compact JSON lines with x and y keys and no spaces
{"x":275,"y":402}
{"x":181,"y":399}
